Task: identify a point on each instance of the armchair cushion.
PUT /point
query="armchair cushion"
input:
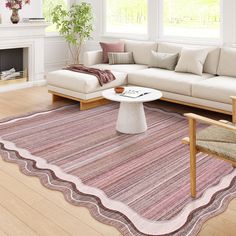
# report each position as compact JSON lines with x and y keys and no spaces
{"x":218,"y":141}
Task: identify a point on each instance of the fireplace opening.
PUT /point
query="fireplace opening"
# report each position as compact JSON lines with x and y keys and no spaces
{"x":13,"y":65}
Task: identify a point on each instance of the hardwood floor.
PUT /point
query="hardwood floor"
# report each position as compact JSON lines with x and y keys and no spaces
{"x":28,"y":208}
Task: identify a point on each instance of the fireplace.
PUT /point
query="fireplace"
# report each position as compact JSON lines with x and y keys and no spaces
{"x":13,"y":65}
{"x":23,"y":40}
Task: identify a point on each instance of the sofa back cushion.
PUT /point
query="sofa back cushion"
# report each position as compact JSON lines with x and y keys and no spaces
{"x":212,"y":60}
{"x":141,"y":50}
{"x":227,"y":63}
{"x":169,"y":48}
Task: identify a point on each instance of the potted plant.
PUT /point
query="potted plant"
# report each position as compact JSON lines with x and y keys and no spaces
{"x":75,"y":25}
{"x":15,"y":6}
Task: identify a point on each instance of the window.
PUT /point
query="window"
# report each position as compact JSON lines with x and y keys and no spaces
{"x":48,"y":6}
{"x":191,"y":18}
{"x":126,"y":17}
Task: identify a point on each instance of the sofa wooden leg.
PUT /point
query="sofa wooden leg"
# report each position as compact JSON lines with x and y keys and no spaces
{"x":93,"y":104}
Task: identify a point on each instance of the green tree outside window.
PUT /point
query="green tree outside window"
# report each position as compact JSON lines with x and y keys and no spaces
{"x":192,"y":18}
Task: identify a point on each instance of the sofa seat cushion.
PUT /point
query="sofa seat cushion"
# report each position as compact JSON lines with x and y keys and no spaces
{"x":120,"y":67}
{"x":165,"y":80}
{"x":82,"y":83}
{"x":218,"y":89}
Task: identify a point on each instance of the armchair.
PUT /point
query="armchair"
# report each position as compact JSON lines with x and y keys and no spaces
{"x":218,"y":140}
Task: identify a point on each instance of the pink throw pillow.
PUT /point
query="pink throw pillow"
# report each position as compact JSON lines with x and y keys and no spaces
{"x":111,"y":47}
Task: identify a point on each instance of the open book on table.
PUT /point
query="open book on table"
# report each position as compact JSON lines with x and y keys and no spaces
{"x":134,"y":93}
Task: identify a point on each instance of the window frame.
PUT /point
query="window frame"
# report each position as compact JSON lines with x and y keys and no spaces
{"x":107,"y":34}
{"x":179,"y":39}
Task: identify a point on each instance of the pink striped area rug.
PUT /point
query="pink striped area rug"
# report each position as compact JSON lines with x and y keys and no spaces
{"x":137,"y":183}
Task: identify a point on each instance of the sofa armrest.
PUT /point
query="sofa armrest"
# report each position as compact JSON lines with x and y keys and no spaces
{"x":92,"y":58}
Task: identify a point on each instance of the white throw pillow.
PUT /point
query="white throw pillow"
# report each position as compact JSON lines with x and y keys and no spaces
{"x":191,"y":61}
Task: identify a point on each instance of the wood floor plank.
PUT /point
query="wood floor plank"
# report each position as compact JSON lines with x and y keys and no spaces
{"x":208,"y":231}
{"x":212,"y":231}
{"x":2,"y":233}
{"x":228,"y":220}
{"x":11,"y":225}
{"x":20,"y":190}
{"x":67,"y":221}
{"x":28,"y":215}
{"x":22,"y":101}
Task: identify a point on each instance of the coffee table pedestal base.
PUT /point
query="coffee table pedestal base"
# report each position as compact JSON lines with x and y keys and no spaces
{"x":131,"y":118}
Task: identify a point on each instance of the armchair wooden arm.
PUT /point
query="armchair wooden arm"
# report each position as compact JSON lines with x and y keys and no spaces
{"x":206,"y":120}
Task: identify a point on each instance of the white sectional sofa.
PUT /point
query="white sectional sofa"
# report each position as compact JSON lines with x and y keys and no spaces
{"x":210,"y":91}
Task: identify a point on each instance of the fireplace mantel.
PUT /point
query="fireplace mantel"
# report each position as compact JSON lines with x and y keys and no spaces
{"x":30,"y":36}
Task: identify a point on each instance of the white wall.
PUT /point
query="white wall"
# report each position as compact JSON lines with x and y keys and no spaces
{"x":229,"y":22}
{"x":56,"y":53}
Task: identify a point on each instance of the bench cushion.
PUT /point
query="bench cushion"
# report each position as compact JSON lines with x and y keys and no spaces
{"x":82,"y":83}
{"x":166,"y":80}
{"x":218,"y":89}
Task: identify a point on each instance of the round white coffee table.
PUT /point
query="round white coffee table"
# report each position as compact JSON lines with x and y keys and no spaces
{"x":131,"y":117}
